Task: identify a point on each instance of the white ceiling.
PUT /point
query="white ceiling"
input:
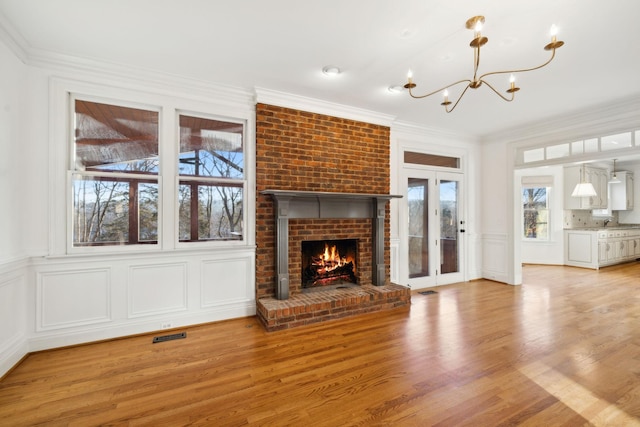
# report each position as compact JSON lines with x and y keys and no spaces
{"x":283,"y":44}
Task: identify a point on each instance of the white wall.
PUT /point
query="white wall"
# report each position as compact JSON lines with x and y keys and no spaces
{"x":15,"y":161}
{"x":551,"y":251}
{"x":15,"y":165}
{"x":496,"y":213}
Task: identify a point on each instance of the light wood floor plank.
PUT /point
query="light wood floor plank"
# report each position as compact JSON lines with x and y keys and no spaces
{"x":562,"y":349}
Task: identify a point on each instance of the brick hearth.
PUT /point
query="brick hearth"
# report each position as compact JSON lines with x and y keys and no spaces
{"x":312,"y":307}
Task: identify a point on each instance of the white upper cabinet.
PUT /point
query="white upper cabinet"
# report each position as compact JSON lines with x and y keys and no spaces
{"x":598,"y":177}
{"x":622,"y":193}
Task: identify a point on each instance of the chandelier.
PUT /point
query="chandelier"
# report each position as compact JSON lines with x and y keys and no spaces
{"x":478,"y":41}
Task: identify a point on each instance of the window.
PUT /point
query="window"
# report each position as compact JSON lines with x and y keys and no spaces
{"x":211,"y":168}
{"x":535,"y":213}
{"x":121,"y":182}
{"x":115,"y":175}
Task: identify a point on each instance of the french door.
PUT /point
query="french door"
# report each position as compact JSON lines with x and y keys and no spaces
{"x":433,"y":244}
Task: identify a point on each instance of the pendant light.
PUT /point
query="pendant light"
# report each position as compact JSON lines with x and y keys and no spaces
{"x":614,"y":177}
{"x":583,"y":188}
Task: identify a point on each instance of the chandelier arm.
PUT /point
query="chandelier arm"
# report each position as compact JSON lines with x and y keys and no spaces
{"x":498,"y":93}
{"x":458,"y":100}
{"x":439,"y":90}
{"x":553,"y":54}
{"x":476,"y":54}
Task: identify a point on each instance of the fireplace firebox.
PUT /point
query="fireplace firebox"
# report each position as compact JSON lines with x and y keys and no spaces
{"x":329,"y":263}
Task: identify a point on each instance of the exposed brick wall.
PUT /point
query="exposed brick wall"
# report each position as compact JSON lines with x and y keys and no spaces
{"x":298,"y":150}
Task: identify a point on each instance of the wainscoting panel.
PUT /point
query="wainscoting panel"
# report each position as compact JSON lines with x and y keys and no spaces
{"x":494,"y":257}
{"x":72,"y":298}
{"x":227,"y":281}
{"x":157,"y":289}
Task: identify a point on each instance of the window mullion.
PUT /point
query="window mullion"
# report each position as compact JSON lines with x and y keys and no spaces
{"x":133,"y":212}
{"x":194,"y":234}
{"x":168,"y":139}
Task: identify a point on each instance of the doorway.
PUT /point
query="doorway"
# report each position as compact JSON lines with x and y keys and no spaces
{"x":433,"y":251}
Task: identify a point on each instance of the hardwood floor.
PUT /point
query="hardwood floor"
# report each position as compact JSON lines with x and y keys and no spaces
{"x":561,"y":350}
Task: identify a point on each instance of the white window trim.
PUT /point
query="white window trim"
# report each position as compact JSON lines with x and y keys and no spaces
{"x":62,"y":91}
{"x":537,"y":182}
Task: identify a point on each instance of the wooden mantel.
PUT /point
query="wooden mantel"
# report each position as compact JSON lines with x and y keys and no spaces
{"x":291,"y":204}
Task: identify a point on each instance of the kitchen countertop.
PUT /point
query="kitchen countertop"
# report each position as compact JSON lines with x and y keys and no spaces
{"x":615,"y":227}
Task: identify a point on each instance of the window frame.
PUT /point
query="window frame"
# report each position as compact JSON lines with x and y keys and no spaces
{"x":63,"y":94}
{"x":230,"y":182}
{"x":548,"y":190}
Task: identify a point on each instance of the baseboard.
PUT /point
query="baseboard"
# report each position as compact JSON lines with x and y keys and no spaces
{"x":64,"y":338}
{"x":12,"y":353}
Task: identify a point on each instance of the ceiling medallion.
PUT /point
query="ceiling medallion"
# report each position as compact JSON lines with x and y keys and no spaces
{"x":478,"y":41}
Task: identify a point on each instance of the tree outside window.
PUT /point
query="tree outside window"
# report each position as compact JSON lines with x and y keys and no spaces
{"x":211,"y":168}
{"x":535,"y":204}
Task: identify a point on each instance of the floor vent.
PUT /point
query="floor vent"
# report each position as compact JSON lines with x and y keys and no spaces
{"x":427,"y":292}
{"x":164,"y":338}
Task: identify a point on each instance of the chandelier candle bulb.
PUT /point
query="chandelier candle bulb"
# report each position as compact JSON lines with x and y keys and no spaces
{"x":410,"y":84}
{"x":512,"y":85}
{"x":446,"y":101}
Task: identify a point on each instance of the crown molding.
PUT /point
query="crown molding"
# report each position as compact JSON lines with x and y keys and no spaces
{"x":289,"y":100}
{"x":415,"y":129}
{"x":621,"y":115}
{"x":13,"y":39}
{"x":68,"y":66}
{"x":137,"y":78}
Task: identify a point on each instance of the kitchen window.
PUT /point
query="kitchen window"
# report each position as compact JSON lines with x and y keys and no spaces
{"x":535,"y":212}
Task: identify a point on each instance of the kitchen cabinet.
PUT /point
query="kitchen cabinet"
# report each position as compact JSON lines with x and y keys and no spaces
{"x":618,"y":246}
{"x":581,"y":248}
{"x":598,"y":248}
{"x":598,"y":177}
{"x":622,"y":193}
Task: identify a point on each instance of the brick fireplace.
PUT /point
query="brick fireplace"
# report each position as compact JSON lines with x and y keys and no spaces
{"x":307,"y":153}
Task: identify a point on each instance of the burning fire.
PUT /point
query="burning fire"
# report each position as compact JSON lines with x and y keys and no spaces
{"x":329,"y":260}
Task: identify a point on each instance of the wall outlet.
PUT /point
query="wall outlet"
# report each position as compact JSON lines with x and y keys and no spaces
{"x":167,"y":325}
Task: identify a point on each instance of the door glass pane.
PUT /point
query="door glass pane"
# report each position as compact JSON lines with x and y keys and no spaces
{"x":417,"y":201}
{"x":448,"y":227}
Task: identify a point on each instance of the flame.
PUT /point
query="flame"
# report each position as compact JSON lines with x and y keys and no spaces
{"x":329,"y":260}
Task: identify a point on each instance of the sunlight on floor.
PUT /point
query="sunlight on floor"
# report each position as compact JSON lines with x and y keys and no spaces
{"x":597,"y":411}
